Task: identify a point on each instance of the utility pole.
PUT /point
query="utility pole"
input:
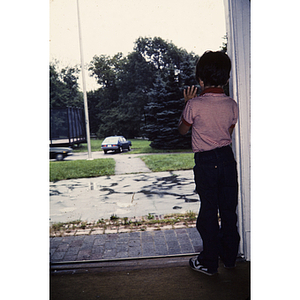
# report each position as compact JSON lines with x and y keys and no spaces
{"x":86,"y":112}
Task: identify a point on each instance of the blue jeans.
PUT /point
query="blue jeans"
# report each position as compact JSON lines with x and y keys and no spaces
{"x":216,"y":183}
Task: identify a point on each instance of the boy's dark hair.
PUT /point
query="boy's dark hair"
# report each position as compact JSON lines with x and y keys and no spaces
{"x":213,"y":68}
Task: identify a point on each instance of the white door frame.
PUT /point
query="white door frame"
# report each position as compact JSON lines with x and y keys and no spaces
{"x":238,"y":48}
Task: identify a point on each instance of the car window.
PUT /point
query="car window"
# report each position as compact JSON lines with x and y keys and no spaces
{"x":110,"y":140}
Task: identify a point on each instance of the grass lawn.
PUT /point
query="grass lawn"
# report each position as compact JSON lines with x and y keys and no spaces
{"x":169,"y":162}
{"x":60,"y":170}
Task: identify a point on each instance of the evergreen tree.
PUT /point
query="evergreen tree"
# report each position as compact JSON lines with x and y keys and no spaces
{"x":162,"y":114}
{"x":174,"y":71}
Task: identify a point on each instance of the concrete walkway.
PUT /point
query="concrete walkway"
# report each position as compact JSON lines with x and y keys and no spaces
{"x":125,"y":195}
{"x":126,"y":164}
{"x":131,"y":195}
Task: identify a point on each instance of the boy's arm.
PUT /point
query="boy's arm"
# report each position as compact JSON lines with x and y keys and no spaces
{"x":183,"y":128}
{"x":231,"y":129}
{"x":189,"y":93}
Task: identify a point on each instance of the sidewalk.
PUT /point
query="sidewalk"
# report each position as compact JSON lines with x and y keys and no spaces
{"x":130,"y":195}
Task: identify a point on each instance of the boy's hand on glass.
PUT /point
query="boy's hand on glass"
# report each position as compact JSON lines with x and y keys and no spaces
{"x":189,"y":93}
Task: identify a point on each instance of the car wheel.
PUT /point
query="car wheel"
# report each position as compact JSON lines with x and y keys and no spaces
{"x":129,"y":148}
{"x":105,"y":151}
{"x":59,"y":157}
{"x":120,"y":150}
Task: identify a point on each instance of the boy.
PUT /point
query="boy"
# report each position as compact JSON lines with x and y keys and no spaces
{"x":213,"y":116}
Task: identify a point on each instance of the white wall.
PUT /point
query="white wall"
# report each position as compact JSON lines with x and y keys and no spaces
{"x":238,"y":31}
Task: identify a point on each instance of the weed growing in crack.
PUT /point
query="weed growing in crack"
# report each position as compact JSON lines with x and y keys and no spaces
{"x":114,"y":217}
{"x":150,"y":216}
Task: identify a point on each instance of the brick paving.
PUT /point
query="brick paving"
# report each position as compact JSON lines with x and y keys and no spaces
{"x":125,"y":245}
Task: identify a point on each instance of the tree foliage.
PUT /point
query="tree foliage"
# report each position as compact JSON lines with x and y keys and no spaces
{"x":64,"y":87}
{"x":124,"y":83}
{"x":140,"y":94}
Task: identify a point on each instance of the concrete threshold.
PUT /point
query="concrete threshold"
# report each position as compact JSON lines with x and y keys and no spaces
{"x":132,"y":263}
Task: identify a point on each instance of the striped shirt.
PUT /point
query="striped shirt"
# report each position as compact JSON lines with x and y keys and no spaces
{"x":210,"y":115}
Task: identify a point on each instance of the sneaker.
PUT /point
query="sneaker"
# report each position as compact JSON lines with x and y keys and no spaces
{"x":229,"y":266}
{"x":196,"y":265}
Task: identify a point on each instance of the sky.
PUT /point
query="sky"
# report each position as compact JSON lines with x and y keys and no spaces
{"x":109,"y":27}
